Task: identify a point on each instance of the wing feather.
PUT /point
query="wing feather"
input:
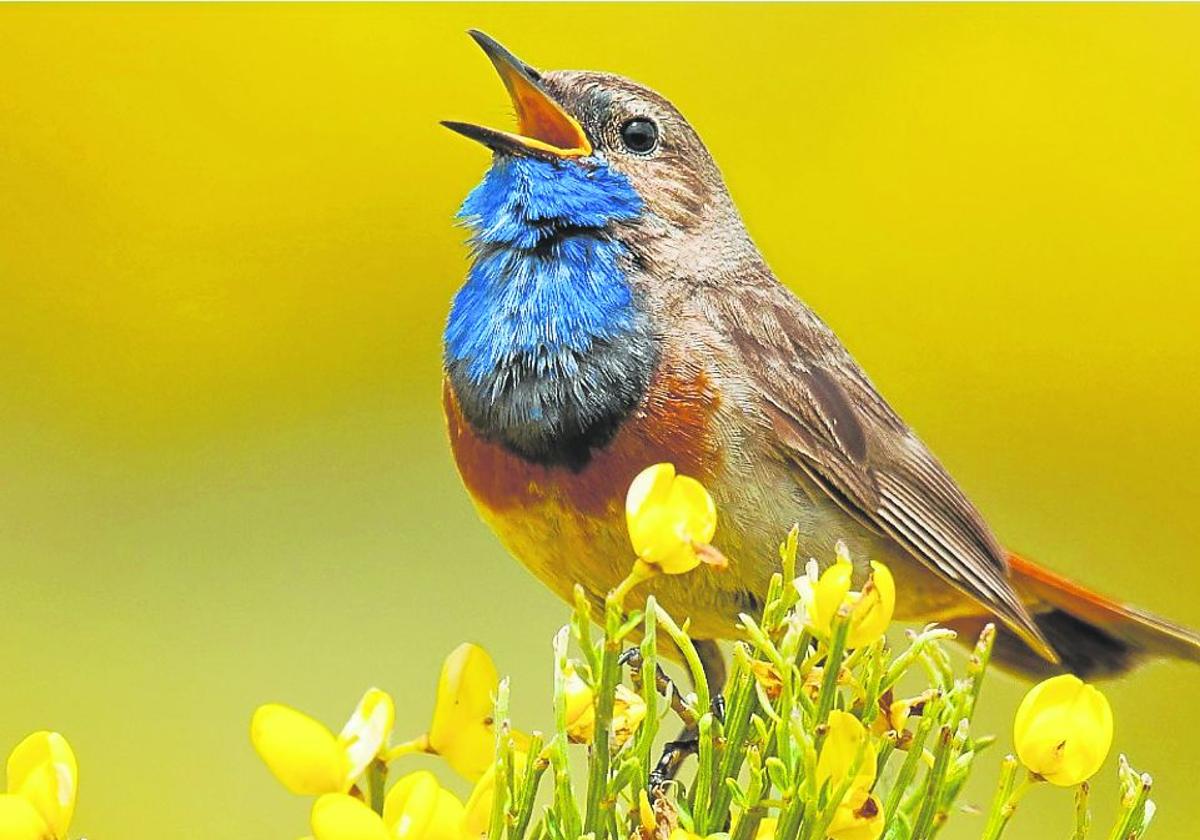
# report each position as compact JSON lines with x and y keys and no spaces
{"x":831,"y":422}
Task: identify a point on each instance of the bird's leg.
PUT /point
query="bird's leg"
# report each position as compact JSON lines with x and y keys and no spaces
{"x":676,"y":752}
{"x":713,"y":663}
{"x":662,"y":683}
{"x":673,"y":755}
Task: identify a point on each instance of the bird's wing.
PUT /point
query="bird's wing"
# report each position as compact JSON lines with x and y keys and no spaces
{"x":830,"y":421}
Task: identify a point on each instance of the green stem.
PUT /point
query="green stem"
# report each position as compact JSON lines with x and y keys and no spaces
{"x":416,"y":745}
{"x":1132,"y":820}
{"x":907,"y":770}
{"x":1008,"y":795}
{"x":739,"y":706}
{"x":1083,"y":816}
{"x":377,"y":772}
{"x":746,"y":826}
{"x":905,"y":660}
{"x":606,"y":688}
{"x":933,"y":786}
{"x":791,"y":817}
{"x":977,"y":666}
{"x":564,"y":808}
{"x":646,"y":680}
{"x":833,"y":665}
{"x":702,"y":787}
{"x":640,"y":573}
{"x":690,"y":658}
{"x":581,"y":627}
{"x":501,"y":764}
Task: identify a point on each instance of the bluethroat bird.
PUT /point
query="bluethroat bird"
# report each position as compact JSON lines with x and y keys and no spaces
{"x":617,"y":314}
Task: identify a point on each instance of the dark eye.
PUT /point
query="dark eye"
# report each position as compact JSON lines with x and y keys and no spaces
{"x":639,"y":135}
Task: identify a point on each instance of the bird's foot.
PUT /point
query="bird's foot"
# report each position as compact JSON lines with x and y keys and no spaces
{"x":673,"y":756}
{"x":632,"y":657}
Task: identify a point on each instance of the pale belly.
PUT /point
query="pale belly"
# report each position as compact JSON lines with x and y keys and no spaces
{"x":564,"y":546}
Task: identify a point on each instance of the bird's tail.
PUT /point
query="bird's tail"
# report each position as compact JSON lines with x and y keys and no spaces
{"x":1095,"y":636}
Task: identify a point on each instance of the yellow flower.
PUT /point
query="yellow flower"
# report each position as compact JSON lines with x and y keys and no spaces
{"x":629,"y":710}
{"x":478,"y":812}
{"x":416,"y":807}
{"x":306,"y":757}
{"x":843,"y":737}
{"x":858,"y":815}
{"x":462,"y":731}
{"x":581,"y":707}
{"x":42,"y":782}
{"x":861,"y":820}
{"x":1063,"y":730}
{"x":870,"y":610}
{"x":19,"y":820}
{"x":669,"y":517}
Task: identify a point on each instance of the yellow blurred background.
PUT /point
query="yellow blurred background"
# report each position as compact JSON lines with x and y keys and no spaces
{"x":226,"y":253}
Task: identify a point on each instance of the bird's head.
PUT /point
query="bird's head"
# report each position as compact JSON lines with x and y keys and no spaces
{"x":606,"y":143}
{"x":597,"y":216}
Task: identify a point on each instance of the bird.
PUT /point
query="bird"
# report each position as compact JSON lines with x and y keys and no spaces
{"x":616,"y":313}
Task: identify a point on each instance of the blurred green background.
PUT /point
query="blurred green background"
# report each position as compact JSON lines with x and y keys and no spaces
{"x":226,"y":252}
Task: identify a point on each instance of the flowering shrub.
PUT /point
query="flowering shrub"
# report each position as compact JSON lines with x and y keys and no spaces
{"x":809,"y":738}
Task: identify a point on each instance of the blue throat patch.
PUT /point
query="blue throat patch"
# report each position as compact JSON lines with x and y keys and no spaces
{"x":547,"y":280}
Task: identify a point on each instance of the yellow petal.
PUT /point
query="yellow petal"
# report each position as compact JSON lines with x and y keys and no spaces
{"x":302,"y":753}
{"x":629,"y":710}
{"x":418,"y":807}
{"x":448,"y":816}
{"x":649,"y":489}
{"x":667,"y":515}
{"x":872,"y":611}
{"x":829,"y":592}
{"x":42,"y":769}
{"x":581,"y":707}
{"x":861,"y":821}
{"x":666,"y":551}
{"x":336,"y":816}
{"x":19,"y":820}
{"x":1063,"y":730}
{"x":766,"y":829}
{"x":366,"y":734}
{"x":478,"y":811}
{"x":842,"y":741}
{"x":695,"y":508}
{"x":462,"y":719}
{"x":646,"y":815}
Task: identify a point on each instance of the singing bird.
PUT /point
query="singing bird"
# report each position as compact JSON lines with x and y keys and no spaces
{"x":616,"y":314}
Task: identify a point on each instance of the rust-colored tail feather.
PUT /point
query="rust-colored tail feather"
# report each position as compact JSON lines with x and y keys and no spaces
{"x":1094,"y":635}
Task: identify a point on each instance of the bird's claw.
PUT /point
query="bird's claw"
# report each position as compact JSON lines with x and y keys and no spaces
{"x":718,"y":707}
{"x":631,"y":657}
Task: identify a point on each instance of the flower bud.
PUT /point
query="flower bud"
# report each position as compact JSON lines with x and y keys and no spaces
{"x":1063,"y":730}
{"x":669,"y":517}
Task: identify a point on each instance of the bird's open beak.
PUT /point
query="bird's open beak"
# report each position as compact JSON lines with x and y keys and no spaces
{"x":544,"y":129}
